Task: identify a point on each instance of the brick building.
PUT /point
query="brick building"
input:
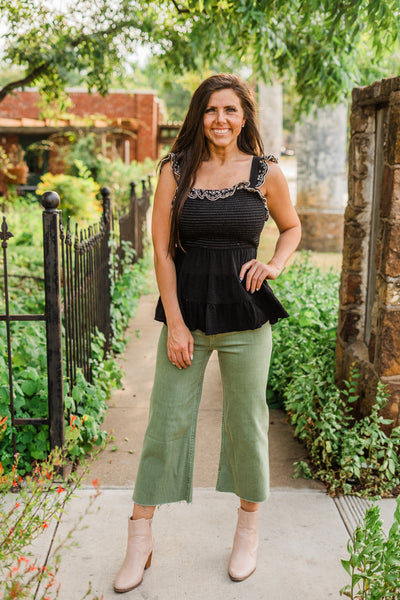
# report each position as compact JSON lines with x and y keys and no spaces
{"x":127,"y":124}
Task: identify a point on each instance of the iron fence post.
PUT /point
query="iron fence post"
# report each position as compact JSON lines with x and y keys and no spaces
{"x":135,"y":218}
{"x":106,"y":291}
{"x":51,"y":248}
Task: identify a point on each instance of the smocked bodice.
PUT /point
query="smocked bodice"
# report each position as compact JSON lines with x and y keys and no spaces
{"x":220,"y":231}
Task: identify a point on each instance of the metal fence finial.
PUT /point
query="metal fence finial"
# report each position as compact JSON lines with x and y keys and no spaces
{"x":50,"y":200}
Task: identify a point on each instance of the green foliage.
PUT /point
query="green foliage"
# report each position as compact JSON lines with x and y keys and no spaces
{"x":118,"y":176}
{"x":348,"y":455}
{"x":77,"y":194}
{"x":82,"y":149}
{"x":84,"y":158}
{"x":312,"y":300}
{"x":85,"y":404}
{"x":322,"y":48}
{"x":126,"y":291}
{"x":374,"y":562}
{"x":35,"y":505}
{"x":24,"y":220}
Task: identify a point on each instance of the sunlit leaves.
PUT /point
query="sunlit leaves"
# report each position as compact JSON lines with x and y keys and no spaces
{"x":321,"y":47}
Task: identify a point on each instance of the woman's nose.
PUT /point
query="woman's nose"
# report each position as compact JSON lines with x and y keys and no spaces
{"x":220,"y":115}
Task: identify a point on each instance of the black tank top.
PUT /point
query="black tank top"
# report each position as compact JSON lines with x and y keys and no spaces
{"x":220,"y":231}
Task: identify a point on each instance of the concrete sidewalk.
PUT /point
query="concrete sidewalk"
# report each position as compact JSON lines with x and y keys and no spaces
{"x":303,"y":535}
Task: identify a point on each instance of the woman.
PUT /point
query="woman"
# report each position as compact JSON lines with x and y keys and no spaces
{"x":215,"y":192}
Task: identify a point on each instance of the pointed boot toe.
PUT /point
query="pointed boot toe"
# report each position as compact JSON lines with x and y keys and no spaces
{"x":138,"y":556}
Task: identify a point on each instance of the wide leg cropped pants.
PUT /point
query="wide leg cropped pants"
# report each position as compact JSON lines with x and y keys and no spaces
{"x":165,"y":471}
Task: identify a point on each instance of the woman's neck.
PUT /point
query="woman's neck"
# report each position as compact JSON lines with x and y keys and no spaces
{"x":223,"y":155}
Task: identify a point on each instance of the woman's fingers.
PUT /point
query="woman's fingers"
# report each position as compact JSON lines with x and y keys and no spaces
{"x":256,"y":272}
{"x":245,"y":267}
{"x":180,"y":348}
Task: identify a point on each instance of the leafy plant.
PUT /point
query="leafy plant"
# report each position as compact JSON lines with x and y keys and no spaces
{"x":349,"y":456}
{"x":77,"y":194}
{"x":374,"y":562}
{"x":85,"y":403}
{"x":118,"y":176}
{"x":25,"y":515}
{"x":126,"y":290}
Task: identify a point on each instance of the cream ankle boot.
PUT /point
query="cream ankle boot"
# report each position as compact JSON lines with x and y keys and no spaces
{"x":138,"y":555}
{"x":244,"y":552}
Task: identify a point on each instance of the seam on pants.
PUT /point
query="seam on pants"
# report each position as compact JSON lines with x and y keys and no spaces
{"x":192,"y":434}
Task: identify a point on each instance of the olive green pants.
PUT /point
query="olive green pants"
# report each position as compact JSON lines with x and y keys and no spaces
{"x":166,"y":465}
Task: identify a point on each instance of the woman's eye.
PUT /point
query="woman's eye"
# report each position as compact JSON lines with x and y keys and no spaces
{"x":209,"y":110}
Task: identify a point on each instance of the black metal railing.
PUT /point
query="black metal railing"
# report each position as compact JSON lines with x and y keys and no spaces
{"x":52,"y":317}
{"x":78,"y":263}
{"x":128,"y":224}
{"x":86,"y":290}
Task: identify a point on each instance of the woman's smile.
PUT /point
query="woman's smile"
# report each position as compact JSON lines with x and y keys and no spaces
{"x":221,"y":131}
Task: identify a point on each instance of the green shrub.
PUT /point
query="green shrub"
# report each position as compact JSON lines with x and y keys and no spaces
{"x":118,"y":176}
{"x":374,"y":562}
{"x":348,"y":456}
{"x":85,"y":403}
{"x":132,"y":282}
{"x":77,"y":195}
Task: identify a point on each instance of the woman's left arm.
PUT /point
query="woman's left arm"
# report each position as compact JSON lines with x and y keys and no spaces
{"x":281,"y":209}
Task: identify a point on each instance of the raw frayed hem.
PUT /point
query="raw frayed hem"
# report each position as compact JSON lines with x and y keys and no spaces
{"x":264,"y":499}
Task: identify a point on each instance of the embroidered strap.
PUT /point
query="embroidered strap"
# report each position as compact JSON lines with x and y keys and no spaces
{"x":175,"y":165}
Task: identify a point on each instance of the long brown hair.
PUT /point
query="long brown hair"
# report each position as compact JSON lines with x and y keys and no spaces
{"x":190,"y":146}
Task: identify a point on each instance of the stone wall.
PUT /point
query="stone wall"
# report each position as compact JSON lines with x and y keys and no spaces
{"x":321,"y":178}
{"x":271,"y":117}
{"x":369,"y":314}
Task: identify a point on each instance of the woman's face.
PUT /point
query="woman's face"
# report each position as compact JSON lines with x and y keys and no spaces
{"x":223,"y":118}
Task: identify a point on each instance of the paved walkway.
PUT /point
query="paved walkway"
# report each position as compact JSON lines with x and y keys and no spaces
{"x":302,"y":533}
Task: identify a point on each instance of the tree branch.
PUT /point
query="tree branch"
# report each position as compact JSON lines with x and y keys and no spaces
{"x":180,"y":10}
{"x":30,"y":78}
{"x":41,"y":69}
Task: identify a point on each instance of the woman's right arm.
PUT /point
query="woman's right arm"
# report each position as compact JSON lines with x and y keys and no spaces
{"x":180,"y":340}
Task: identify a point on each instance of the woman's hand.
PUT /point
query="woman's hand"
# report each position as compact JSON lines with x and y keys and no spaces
{"x":180,"y":346}
{"x":257,"y":272}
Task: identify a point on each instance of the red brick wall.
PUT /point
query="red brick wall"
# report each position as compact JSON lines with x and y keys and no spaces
{"x":142,"y":106}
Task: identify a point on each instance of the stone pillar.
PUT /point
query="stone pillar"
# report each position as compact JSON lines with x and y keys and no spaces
{"x":270,"y":117}
{"x":369,"y":314}
{"x":321,"y":178}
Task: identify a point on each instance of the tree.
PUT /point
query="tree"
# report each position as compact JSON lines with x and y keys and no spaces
{"x":324,"y":47}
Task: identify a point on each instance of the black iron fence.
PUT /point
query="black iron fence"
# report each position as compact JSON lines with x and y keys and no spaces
{"x":77,"y":281}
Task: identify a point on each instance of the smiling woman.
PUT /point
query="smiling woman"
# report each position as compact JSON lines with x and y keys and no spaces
{"x":215,"y":192}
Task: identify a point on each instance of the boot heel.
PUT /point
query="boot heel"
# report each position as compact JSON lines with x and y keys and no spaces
{"x":149,"y":561}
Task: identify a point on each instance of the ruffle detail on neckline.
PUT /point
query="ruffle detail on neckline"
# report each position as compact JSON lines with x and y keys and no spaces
{"x":214,"y":195}
{"x":218,"y":194}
